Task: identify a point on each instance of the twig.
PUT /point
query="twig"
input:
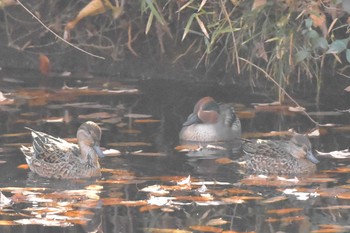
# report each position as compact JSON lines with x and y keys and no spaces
{"x":54,"y":33}
{"x":282,"y":89}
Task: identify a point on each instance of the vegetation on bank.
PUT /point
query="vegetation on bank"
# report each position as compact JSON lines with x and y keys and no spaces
{"x":287,"y":39}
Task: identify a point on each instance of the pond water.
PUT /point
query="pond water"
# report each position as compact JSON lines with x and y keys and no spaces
{"x":152,"y":185}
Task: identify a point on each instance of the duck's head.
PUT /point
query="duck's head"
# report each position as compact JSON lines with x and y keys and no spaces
{"x":205,"y":111}
{"x":303,"y":148}
{"x":89,"y":135}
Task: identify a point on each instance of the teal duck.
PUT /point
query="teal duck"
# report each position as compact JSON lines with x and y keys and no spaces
{"x":291,"y":157}
{"x":53,"y":157}
{"x":211,"y":122}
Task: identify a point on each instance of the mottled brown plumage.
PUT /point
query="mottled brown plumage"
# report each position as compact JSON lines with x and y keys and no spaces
{"x":291,"y":157}
{"x":56,"y":158}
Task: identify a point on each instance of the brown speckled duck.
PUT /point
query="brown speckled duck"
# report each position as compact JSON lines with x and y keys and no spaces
{"x":211,"y":122}
{"x":56,"y":158}
{"x":282,"y":157}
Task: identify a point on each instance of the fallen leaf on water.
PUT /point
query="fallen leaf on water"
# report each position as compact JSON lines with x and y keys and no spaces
{"x":338,"y":170}
{"x":188,"y":147}
{"x":149,"y":154}
{"x":96,"y":115}
{"x":217,"y":222}
{"x":130,"y":131}
{"x":146,"y":121}
{"x":239,"y":191}
{"x":44,"y":222}
{"x":44,"y":64}
{"x":148,"y":208}
{"x":296,"y":109}
{"x":274,"y":199}
{"x":23,"y":166}
{"x":4,"y":200}
{"x":267,"y":134}
{"x":286,"y":219}
{"x":164,"y":230}
{"x":223,"y":161}
{"x":156,"y":189}
{"x":331,"y":228}
{"x":347,"y":89}
{"x":4,"y":100}
{"x":128,"y":144}
{"x":135,"y":115}
{"x":284,"y":211}
{"x":245,"y":114}
{"x":206,"y":229}
{"x":345,"y":196}
{"x":334,"y":207}
{"x":111,"y":152}
{"x":7,"y":223}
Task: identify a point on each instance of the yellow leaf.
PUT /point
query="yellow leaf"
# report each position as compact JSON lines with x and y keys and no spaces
{"x":202,"y":26}
{"x":258,"y":3}
{"x":92,"y":8}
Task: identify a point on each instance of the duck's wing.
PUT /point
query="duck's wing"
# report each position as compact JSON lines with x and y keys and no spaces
{"x":268,"y":148}
{"x":51,"y":149}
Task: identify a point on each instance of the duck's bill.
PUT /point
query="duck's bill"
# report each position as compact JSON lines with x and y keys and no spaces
{"x":192,"y":119}
{"x":310,"y":156}
{"x":98,"y":151}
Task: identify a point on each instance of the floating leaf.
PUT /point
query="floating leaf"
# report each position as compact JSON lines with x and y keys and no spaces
{"x":149,"y":154}
{"x":206,"y":229}
{"x":274,"y":199}
{"x":146,"y":121}
{"x":23,"y":166}
{"x":44,"y":64}
{"x":165,"y":230}
{"x":347,"y":89}
{"x":296,"y":109}
{"x":284,"y":211}
{"x":111,"y":152}
{"x":128,"y":144}
{"x":217,"y":222}
{"x":286,"y":219}
{"x":148,"y":208}
{"x":96,"y":115}
{"x":223,"y":161}
{"x":135,"y":115}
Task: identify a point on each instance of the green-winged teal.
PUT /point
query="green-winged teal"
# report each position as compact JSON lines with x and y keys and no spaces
{"x":279,"y":156}
{"x":211,"y":122}
{"x":56,"y":158}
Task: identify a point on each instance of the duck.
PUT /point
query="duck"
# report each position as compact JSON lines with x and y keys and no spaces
{"x":280,"y":157}
{"x":53,"y":157}
{"x":211,"y":122}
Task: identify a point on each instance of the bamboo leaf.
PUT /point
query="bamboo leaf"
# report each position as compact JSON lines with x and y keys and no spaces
{"x":155,"y":12}
{"x":202,"y":26}
{"x":149,"y":23}
{"x":188,"y":25}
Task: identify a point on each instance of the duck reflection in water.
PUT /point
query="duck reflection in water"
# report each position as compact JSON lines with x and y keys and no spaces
{"x":53,"y":157}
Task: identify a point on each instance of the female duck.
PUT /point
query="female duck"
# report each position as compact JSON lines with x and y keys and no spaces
{"x":279,"y":157}
{"x":56,"y":158}
{"x":211,"y":122}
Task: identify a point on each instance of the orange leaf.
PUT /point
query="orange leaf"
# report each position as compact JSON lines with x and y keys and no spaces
{"x":206,"y":228}
{"x":23,"y":166}
{"x":92,"y":8}
{"x":44,"y":64}
{"x":284,"y":211}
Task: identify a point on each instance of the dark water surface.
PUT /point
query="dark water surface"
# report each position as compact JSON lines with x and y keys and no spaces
{"x":144,"y":189}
